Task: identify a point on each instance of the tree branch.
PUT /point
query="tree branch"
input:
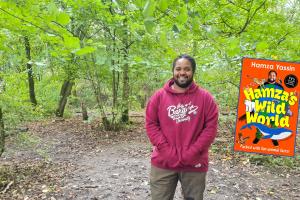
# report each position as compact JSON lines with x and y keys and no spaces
{"x":164,"y":13}
{"x":223,"y":20}
{"x":58,"y":24}
{"x":281,"y":39}
{"x":250,"y":17}
{"x":231,"y":2}
{"x":92,"y":35}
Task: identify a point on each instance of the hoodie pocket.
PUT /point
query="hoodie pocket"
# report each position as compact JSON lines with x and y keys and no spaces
{"x":192,"y":158}
{"x":166,"y":156}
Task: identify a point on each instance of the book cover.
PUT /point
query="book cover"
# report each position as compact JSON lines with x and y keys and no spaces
{"x":267,"y":113}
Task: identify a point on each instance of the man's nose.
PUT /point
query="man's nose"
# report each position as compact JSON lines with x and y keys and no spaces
{"x":182,"y":72}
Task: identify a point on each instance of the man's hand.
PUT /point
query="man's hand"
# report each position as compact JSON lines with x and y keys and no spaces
{"x":168,"y":155}
{"x":189,"y":156}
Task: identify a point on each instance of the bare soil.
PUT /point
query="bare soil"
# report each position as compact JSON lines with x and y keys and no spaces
{"x":70,"y":159}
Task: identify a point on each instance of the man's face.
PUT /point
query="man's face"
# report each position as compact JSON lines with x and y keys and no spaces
{"x":272,"y":77}
{"x":183,"y":73}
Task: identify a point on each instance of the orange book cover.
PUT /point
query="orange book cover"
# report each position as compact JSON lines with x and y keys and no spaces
{"x":267,"y":113}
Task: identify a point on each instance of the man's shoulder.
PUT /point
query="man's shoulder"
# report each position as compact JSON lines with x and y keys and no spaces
{"x":278,"y":85}
{"x":205,"y":95}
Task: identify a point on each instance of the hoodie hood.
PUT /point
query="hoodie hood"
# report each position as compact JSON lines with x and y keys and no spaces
{"x":191,"y":88}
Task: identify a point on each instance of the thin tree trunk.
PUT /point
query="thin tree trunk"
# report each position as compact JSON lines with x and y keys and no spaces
{"x":125,"y":96}
{"x":97,"y":92}
{"x":64,"y":94}
{"x":84,"y":111}
{"x":147,"y":92}
{"x":2,"y":133}
{"x":114,"y":82}
{"x":29,"y":72}
{"x":195,"y":46}
{"x":114,"y":88}
{"x":125,"y":100}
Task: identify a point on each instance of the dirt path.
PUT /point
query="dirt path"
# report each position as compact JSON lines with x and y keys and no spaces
{"x":84,"y":163}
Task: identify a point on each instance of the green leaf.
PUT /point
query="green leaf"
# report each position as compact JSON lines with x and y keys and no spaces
{"x":149,"y":25}
{"x":100,"y":59}
{"x":71,"y":42}
{"x":183,"y":16}
{"x":149,"y":9}
{"x":163,"y":38}
{"x":132,"y":7}
{"x":139,"y":3}
{"x":233,"y":47}
{"x":189,"y":1}
{"x":163,"y":5}
{"x":117,"y":3}
{"x":262,"y":46}
{"x":63,"y":18}
{"x":5,"y":5}
{"x":138,"y":59}
{"x":85,"y":50}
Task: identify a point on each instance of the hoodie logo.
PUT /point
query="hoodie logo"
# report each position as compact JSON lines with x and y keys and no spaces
{"x":182,"y":112}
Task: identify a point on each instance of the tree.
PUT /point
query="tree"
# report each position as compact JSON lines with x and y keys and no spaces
{"x":2,"y":133}
{"x":121,"y":51}
{"x":29,"y":72}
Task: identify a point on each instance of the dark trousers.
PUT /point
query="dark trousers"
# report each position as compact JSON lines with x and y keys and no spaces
{"x":163,"y":184}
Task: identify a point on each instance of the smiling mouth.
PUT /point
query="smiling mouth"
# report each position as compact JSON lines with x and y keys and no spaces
{"x":182,"y":79}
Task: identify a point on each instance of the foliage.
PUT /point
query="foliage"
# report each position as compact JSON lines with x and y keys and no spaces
{"x":69,"y":38}
{"x":119,"y":52}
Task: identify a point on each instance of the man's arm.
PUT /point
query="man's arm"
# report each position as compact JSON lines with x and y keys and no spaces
{"x":208,"y":134}
{"x":153,"y":129}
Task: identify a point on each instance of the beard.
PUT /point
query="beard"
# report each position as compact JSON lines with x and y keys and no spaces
{"x":183,"y":83}
{"x":271,"y":80}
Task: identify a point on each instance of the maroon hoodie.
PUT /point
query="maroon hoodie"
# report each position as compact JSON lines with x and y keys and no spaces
{"x":181,"y":127}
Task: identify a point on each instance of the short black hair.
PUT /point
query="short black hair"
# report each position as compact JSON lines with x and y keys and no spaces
{"x":271,"y":72}
{"x":189,"y":58}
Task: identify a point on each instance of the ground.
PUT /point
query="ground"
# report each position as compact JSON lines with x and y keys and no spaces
{"x":70,"y":159}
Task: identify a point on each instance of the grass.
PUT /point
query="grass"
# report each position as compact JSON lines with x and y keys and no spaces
{"x":275,"y":161}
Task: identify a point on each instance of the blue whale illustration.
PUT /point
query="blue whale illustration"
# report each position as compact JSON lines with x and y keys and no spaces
{"x":270,"y":133}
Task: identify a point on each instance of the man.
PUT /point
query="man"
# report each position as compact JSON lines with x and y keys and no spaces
{"x":181,"y":123}
{"x":271,"y":83}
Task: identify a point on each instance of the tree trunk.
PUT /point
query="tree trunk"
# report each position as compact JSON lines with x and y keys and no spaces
{"x":84,"y":111}
{"x":64,"y":94}
{"x":142,"y":100}
{"x":96,"y":88}
{"x":125,"y":100}
{"x":2,"y":133}
{"x":195,"y":47}
{"x":114,"y":88}
{"x":125,"y":96}
{"x":29,"y":72}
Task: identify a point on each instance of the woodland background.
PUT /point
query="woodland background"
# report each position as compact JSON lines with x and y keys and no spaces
{"x":103,"y":59}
